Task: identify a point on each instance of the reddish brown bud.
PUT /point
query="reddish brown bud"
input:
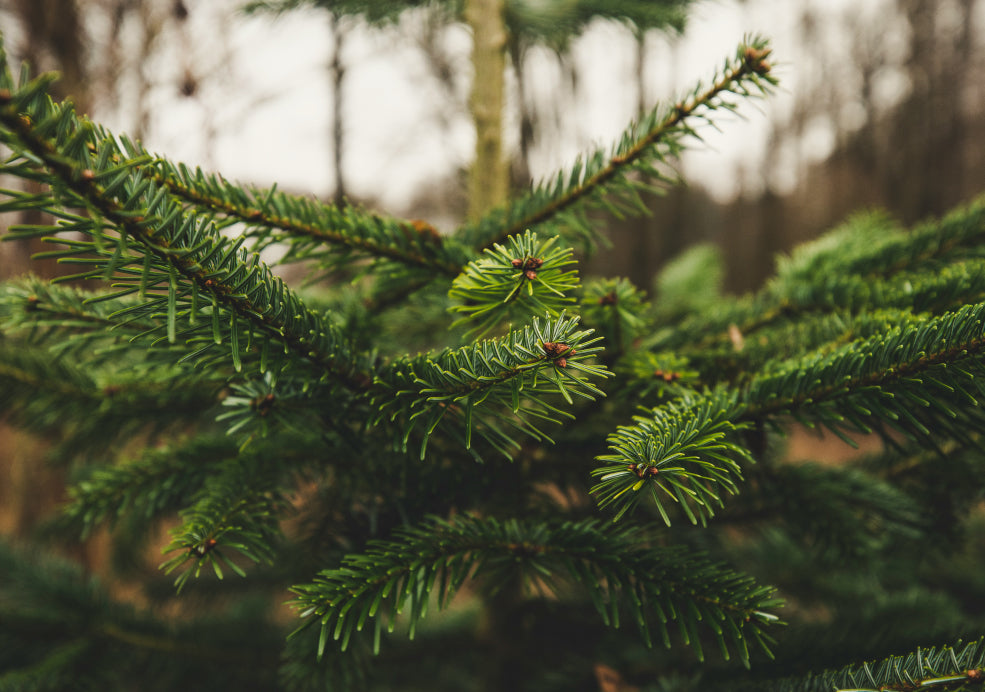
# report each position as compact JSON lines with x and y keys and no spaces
{"x":558,"y":352}
{"x":530,"y":274}
{"x":87,"y":175}
{"x":516,"y":262}
{"x":207,"y":546}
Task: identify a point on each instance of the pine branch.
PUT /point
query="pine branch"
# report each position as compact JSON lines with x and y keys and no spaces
{"x":602,"y":181}
{"x":399,"y":576}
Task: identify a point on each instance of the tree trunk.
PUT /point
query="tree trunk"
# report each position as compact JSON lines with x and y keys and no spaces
{"x":489,"y":179}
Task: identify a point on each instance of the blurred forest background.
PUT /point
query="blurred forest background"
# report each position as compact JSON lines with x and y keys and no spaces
{"x":884,"y":106}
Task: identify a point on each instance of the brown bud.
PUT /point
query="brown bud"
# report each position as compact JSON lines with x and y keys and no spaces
{"x":426,"y":230}
{"x":87,"y":175}
{"x":530,"y":274}
{"x":516,"y":262}
{"x":206,"y":547}
{"x":755,"y":59}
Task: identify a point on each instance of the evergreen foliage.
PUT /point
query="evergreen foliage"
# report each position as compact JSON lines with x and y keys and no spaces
{"x":565,"y":475}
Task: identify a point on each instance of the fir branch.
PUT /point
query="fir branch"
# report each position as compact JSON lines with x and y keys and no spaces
{"x":88,"y":408}
{"x":681,"y":451}
{"x":527,"y":278}
{"x":399,"y":576}
{"x":490,"y":384}
{"x":961,"y":667}
{"x":737,"y":362}
{"x":918,"y":380}
{"x":865,"y":264}
{"x":236,"y":510}
{"x":85,"y":326}
{"x":54,"y":612}
{"x":618,"y":310}
{"x":871,"y":245}
{"x":601,"y":180}
{"x":162,"y":480}
{"x":333,"y":237}
{"x":831,"y":508}
{"x":182,"y":254}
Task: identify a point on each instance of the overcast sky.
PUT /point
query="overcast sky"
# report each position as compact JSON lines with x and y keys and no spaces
{"x":267,"y":115}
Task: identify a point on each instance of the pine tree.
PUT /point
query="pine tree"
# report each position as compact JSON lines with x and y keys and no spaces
{"x":464,"y":467}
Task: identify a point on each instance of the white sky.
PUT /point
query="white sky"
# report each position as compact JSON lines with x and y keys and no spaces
{"x":271,"y":116}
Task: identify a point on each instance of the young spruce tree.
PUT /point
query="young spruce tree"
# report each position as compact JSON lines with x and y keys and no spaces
{"x":464,"y":467}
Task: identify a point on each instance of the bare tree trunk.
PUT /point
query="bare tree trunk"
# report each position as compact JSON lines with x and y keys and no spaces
{"x":489,"y":178}
{"x":336,"y":71}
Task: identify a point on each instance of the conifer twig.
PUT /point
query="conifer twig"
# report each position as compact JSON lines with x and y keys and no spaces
{"x":308,"y":225}
{"x":642,"y":147}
